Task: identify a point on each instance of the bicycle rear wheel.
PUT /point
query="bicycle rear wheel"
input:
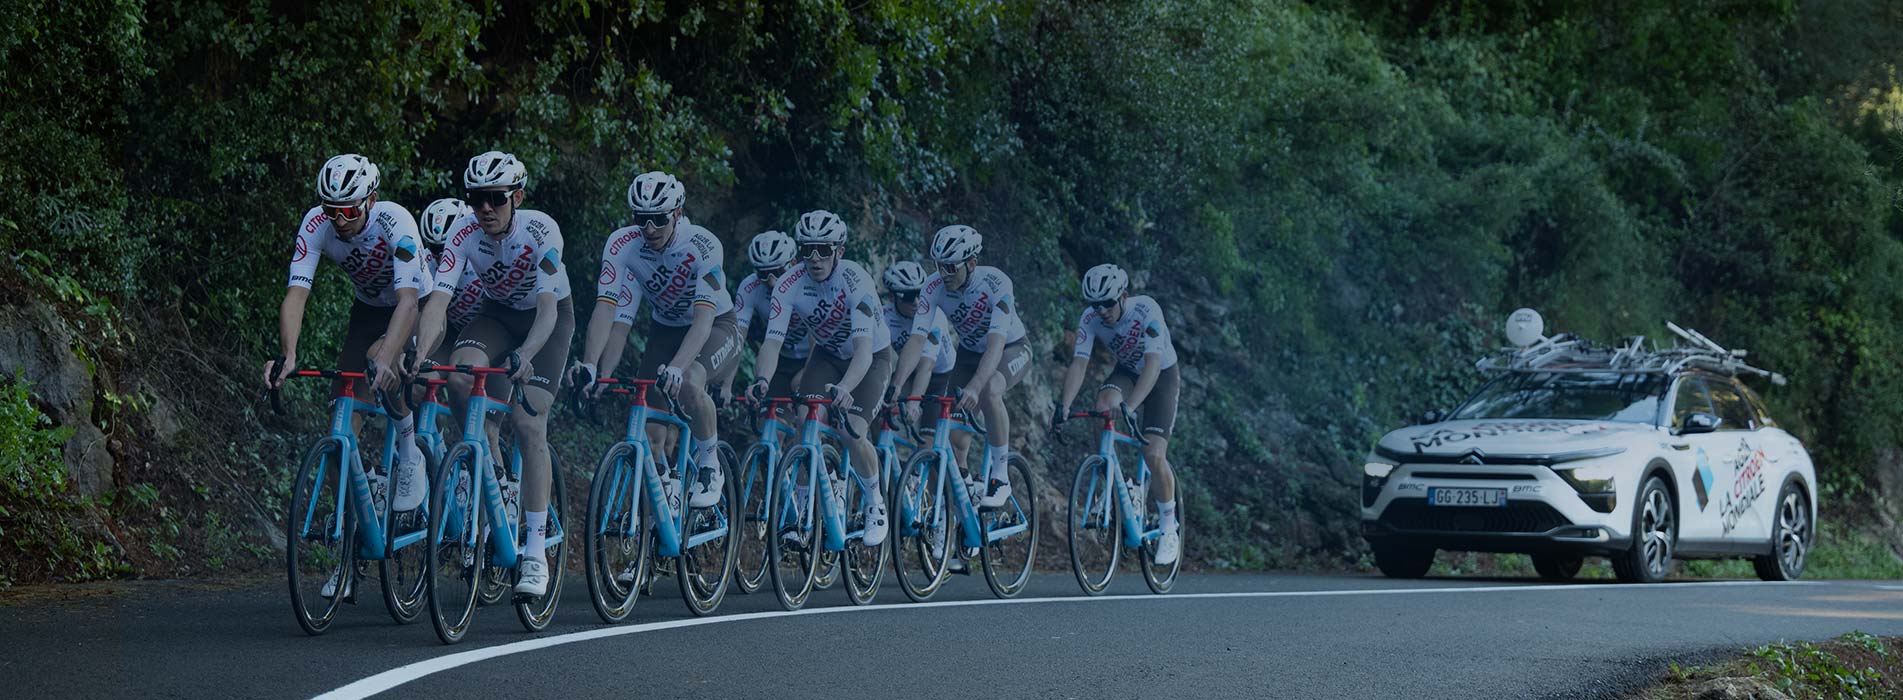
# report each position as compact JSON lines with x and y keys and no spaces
{"x":458,"y":545}
{"x":1008,"y":559}
{"x":1094,"y":525}
{"x":750,"y":500}
{"x":704,"y":570}
{"x":795,"y":532}
{"x":617,"y":535}
{"x":1161,"y":578}
{"x":536,"y":613}
{"x":405,"y":554}
{"x":864,"y":566}
{"x":320,"y":537}
{"x":919,"y":515}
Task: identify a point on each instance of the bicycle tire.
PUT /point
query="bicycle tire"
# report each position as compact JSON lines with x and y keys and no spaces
{"x":919,"y":513}
{"x":458,"y":546}
{"x":1093,"y":524}
{"x":863,"y":567}
{"x":611,"y":513}
{"x":403,"y":584}
{"x":535,"y":614}
{"x":793,"y":586}
{"x":693,"y":573}
{"x":750,"y":558}
{"x":1162,"y":579}
{"x":337,"y":553}
{"x":1008,"y":561}
{"x":828,"y":575}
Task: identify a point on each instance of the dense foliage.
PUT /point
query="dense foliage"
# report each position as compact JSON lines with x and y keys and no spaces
{"x":1336,"y":200}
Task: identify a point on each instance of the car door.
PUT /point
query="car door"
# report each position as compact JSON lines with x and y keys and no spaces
{"x":1741,"y":489}
{"x":1711,"y":454}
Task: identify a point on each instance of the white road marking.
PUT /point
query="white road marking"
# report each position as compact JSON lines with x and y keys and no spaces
{"x":404,"y":674}
{"x":1891,"y":588}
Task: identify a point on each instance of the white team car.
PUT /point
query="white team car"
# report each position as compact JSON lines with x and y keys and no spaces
{"x":1573,"y":450}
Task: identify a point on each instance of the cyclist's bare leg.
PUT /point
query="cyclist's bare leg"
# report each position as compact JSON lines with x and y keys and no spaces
{"x":1156,"y":454}
{"x":531,"y":437}
{"x":997,"y":425}
{"x":865,"y":460}
{"x":697,"y":404}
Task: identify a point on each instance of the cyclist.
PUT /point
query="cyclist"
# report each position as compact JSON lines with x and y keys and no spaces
{"x":515,"y":254}
{"x":458,"y":304}
{"x":771,"y":253}
{"x":375,"y":242}
{"x":692,"y":336}
{"x":1133,"y":330}
{"x":852,"y":352}
{"x":992,"y":356}
{"x":904,"y":279}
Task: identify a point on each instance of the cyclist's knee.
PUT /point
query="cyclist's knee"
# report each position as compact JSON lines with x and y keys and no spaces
{"x":1158,"y":449}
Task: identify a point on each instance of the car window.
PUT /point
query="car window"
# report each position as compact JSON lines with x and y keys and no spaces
{"x":1757,"y":406}
{"x":1737,"y":414}
{"x":1690,"y":398}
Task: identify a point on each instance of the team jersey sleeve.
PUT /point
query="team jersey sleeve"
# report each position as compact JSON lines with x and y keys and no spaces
{"x":1001,"y":314}
{"x":1084,"y":336}
{"x":616,"y":282}
{"x":923,"y":310}
{"x":309,"y":249}
{"x":627,"y":301}
{"x":865,"y":317}
{"x":407,"y":251}
{"x":780,"y":308}
{"x":1156,"y":334}
{"x":711,"y":277}
{"x":743,"y":304}
{"x":550,"y":278}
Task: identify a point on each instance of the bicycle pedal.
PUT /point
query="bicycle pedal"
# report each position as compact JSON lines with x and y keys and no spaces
{"x":522,"y":599}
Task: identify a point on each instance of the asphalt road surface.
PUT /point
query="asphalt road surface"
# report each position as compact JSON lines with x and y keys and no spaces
{"x":1216,"y":636}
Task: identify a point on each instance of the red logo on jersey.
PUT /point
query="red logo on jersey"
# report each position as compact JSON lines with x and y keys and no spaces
{"x":446,"y":262}
{"x":607,"y":274}
{"x":302,"y":250}
{"x":627,"y":295}
{"x":615,"y":247}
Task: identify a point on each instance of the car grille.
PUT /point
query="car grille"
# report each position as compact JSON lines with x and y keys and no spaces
{"x":1479,"y":476}
{"x":1518,"y":516}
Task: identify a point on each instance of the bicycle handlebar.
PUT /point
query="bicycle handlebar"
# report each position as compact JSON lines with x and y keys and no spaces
{"x":836,"y":418}
{"x":618,"y":385}
{"x":521,"y":397}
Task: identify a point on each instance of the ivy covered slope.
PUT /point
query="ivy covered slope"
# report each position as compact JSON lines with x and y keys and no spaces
{"x":1335,"y":201}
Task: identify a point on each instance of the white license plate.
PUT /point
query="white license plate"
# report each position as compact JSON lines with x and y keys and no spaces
{"x":1485,"y":498}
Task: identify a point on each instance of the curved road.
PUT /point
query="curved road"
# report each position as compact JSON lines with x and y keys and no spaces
{"x":1216,"y":636}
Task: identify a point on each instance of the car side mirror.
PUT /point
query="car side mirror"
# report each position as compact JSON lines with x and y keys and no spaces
{"x":1699,"y":423}
{"x":1434,"y":416}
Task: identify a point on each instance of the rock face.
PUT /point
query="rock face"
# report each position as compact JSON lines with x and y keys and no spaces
{"x":1737,"y":689}
{"x":37,"y":345}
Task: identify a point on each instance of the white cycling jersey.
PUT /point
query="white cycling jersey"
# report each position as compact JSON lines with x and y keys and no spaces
{"x":938,"y":341}
{"x":512,"y":270}
{"x":1138,"y":332}
{"x":384,"y":257}
{"x":685,"y":274}
{"x":983,"y":307}
{"x":755,"y":298}
{"x":836,"y":310}
{"x":467,"y":300}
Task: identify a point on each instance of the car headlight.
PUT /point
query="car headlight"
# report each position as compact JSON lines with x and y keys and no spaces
{"x":1378,"y":470}
{"x":1597,"y":478}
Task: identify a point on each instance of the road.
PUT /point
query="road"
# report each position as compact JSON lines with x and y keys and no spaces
{"x":1218,"y":636}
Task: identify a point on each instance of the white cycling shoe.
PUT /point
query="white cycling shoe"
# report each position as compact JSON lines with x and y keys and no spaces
{"x":706,"y":491}
{"x":1168,"y":547}
{"x":533,"y":578}
{"x":875,"y":523}
{"x":330,"y":587}
{"x":412,"y":486}
{"x":997,"y":495}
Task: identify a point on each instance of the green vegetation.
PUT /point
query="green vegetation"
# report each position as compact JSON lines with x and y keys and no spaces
{"x":1855,"y":666}
{"x":1337,"y":199}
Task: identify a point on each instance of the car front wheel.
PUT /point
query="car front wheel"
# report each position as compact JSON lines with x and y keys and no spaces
{"x":1790,"y":537}
{"x":1558,"y":567}
{"x":1402,"y":560}
{"x":1654,"y":535}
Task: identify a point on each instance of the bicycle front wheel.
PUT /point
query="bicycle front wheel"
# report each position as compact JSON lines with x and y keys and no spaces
{"x":616,"y":536}
{"x":1094,"y":526}
{"x":919,"y":515}
{"x":536,"y":613}
{"x":864,"y":566}
{"x":793,"y":540}
{"x":705,"y":569}
{"x":750,"y":503}
{"x":458,"y":545}
{"x":1161,"y":578}
{"x":405,"y":554}
{"x":1011,"y":534}
{"x":320,"y":538}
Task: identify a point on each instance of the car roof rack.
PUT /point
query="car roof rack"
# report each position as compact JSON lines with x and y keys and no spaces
{"x":1566,"y":352}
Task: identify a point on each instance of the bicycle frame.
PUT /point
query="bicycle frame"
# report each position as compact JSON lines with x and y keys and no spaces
{"x":1107,"y":441}
{"x":967,"y":512}
{"x":427,"y":415}
{"x":771,"y":427}
{"x":812,"y":432}
{"x":503,"y":553}
{"x":888,"y":446}
{"x":350,"y":475}
{"x":646,"y":475}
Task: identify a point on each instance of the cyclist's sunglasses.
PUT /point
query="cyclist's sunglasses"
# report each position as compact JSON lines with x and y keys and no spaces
{"x":496,"y":199}
{"x":1104,"y":305}
{"x":653,"y":219}
{"x":818,"y":250}
{"x":770,"y":272}
{"x":346,"y":212}
{"x":905,"y":297}
{"x":948,"y":268}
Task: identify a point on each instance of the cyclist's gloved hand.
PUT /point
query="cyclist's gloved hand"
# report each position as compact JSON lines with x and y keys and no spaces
{"x":669,"y":377}
{"x":520,"y":369}
{"x":382,"y":377}
{"x":891,"y":394}
{"x":1129,"y":416}
{"x":1059,"y":414}
{"x":842,"y":399}
{"x":912,"y":411}
{"x":757,"y":390}
{"x":275,"y":370}
{"x":722,"y":396}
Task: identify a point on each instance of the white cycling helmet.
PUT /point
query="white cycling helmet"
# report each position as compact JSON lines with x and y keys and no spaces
{"x":904,"y":276}
{"x":820,"y":226}
{"x":348,"y":178}
{"x":771,"y":250}
{"x":656,"y":192}
{"x":1105,"y":282}
{"x":437,"y":218}
{"x":955,"y":244}
{"x":495,"y":169}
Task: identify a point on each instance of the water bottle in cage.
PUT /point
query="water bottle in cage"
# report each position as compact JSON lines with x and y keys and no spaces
{"x":512,"y":496}
{"x":379,"y":488}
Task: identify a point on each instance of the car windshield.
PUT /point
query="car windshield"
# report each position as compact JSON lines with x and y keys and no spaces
{"x":1609,"y":396}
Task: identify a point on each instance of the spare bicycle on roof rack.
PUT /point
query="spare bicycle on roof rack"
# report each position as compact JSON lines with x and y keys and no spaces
{"x":1639,"y":453}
